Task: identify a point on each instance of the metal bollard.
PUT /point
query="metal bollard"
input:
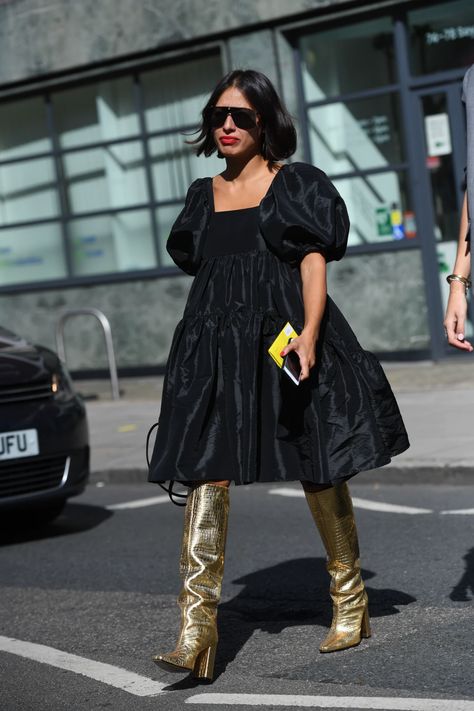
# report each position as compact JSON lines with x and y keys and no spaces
{"x":104,"y":322}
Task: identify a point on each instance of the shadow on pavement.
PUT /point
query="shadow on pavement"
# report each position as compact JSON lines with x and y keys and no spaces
{"x":466,"y":583}
{"x":292,"y":593}
{"x":20,"y":527}
{"x":190,"y":682}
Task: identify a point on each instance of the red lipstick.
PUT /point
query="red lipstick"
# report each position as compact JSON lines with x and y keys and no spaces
{"x":228,"y":140}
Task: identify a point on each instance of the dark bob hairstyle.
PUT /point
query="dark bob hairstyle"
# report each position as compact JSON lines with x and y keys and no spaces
{"x":278,"y":131}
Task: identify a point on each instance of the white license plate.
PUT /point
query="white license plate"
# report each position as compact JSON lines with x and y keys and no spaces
{"x":21,"y":443}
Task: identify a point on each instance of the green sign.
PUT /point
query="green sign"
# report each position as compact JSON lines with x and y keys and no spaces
{"x":384,"y":223}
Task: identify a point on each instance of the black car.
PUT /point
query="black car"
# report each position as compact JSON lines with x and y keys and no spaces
{"x":44,"y":439}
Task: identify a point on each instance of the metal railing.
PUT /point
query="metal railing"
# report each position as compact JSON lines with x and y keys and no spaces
{"x":104,"y":322}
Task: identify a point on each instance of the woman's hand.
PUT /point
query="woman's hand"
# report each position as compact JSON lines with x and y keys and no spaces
{"x":455,"y":319}
{"x":305,"y":347}
{"x":313,"y":278}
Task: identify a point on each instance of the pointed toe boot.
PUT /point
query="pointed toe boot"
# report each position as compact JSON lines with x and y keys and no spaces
{"x":201,"y":569}
{"x":334,"y":516}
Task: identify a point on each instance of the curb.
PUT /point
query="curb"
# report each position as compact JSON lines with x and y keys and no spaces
{"x":448,"y":475}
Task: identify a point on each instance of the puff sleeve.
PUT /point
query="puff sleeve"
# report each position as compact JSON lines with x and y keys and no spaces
{"x":185,"y":241}
{"x":304,"y":213}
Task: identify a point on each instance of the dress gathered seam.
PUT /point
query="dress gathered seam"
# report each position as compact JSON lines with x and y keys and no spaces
{"x":249,"y":252}
{"x":220,"y":313}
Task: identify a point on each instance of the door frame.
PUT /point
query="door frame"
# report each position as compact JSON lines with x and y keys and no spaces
{"x":452,"y":89}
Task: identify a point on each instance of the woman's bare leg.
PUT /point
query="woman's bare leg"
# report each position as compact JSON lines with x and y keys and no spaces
{"x":312,"y":488}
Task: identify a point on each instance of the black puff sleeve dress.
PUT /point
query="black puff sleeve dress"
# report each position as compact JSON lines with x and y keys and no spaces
{"x":228,"y":411}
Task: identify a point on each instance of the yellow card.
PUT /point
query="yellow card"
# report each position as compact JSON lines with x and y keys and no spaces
{"x":280,"y":342}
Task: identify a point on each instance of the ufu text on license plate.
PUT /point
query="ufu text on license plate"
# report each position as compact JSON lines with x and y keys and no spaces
{"x":20,"y":443}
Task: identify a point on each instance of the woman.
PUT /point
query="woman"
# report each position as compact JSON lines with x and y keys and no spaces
{"x":459,"y":283}
{"x":258,"y":237}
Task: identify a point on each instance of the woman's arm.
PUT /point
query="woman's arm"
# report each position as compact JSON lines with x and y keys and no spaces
{"x":313,"y":276}
{"x":455,"y":319}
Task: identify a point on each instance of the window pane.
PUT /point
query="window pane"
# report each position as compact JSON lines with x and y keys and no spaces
{"x":383,"y":298}
{"x":23,"y":129}
{"x":175,"y":166}
{"x":31,"y":254}
{"x":440,"y":165}
{"x":441,"y":36}
{"x":347,"y":59}
{"x":379,"y":208}
{"x":356,"y":135}
{"x":105,"y":177}
{"x":175,"y":95}
{"x":112,"y":243}
{"x":28,"y":191}
{"x":101,"y":112}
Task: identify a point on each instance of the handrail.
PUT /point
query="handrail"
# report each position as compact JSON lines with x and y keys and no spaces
{"x":104,"y":322}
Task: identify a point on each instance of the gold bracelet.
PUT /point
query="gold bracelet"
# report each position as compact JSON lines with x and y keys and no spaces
{"x":458,"y":277}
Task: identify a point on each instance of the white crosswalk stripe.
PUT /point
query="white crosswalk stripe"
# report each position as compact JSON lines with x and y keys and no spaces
{"x":139,"y":503}
{"x":106,"y":673}
{"x":465,"y":512}
{"x":360,"y":503}
{"x":374,"y":703}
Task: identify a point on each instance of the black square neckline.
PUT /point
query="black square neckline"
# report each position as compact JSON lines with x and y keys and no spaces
{"x":240,"y":209}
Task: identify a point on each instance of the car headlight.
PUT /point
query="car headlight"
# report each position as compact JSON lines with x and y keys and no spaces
{"x":61,"y":384}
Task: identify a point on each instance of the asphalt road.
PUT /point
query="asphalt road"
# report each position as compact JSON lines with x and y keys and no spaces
{"x":101,"y":584}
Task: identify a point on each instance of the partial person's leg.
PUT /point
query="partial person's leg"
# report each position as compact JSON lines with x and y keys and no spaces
{"x":311,"y":488}
{"x":201,"y":569}
{"x":333,"y":514}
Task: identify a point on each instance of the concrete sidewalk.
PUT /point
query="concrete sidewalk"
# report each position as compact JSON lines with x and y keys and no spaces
{"x":437,"y":403}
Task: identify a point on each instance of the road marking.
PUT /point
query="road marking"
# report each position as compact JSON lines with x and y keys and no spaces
{"x":360,"y":503}
{"x":387,"y":508}
{"x":106,"y":673}
{"x":139,"y":503}
{"x":143,"y":686}
{"x":460,"y":511}
{"x":377,"y":703}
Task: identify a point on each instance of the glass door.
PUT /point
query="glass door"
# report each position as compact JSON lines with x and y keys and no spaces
{"x":444,"y":156}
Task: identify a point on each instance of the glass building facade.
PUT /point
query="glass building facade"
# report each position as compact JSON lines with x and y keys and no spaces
{"x":93,"y":171}
{"x":91,"y":177}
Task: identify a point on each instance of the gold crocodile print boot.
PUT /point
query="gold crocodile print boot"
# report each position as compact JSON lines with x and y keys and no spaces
{"x":334,"y":516}
{"x":201,"y":568}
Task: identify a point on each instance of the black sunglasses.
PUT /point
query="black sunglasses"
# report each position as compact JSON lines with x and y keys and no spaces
{"x":243,"y":118}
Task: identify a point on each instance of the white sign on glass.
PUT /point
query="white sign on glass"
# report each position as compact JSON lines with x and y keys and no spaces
{"x":438,"y":137}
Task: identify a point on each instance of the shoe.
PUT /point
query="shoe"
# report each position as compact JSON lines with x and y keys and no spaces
{"x":334,"y":516}
{"x":201,"y":569}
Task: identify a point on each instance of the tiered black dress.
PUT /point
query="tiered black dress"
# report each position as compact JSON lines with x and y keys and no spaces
{"x":228,"y":411}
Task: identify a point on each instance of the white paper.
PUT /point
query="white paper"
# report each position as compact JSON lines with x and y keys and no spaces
{"x":438,"y":137}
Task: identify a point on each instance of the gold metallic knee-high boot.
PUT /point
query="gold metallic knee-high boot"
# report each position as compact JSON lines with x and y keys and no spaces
{"x":201,"y":569}
{"x":334,"y":516}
